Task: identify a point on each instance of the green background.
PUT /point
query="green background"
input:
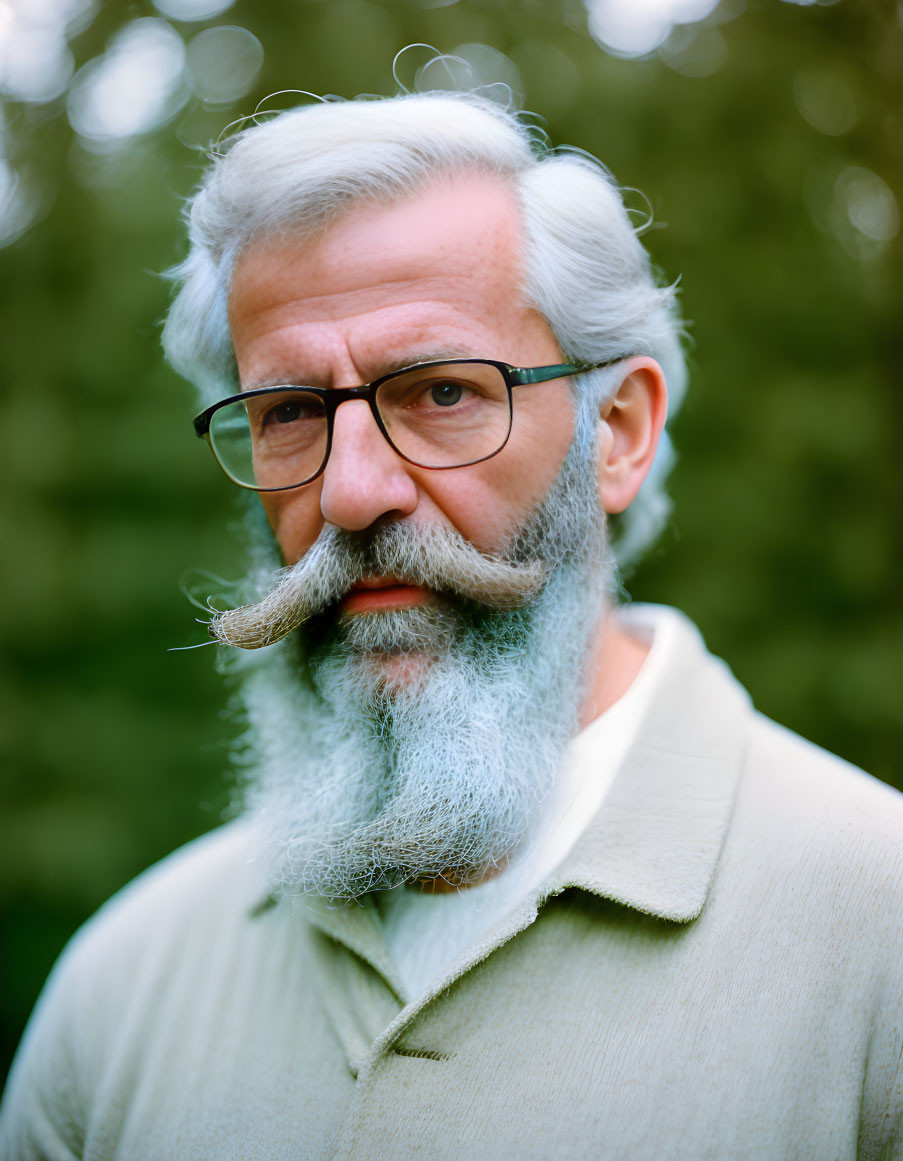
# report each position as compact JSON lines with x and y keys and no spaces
{"x":782,"y":546}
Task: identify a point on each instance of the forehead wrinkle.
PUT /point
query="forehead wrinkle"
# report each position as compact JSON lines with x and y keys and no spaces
{"x":386,"y":367}
{"x":378,"y":341}
{"x":311,"y":306}
{"x":285,"y":321}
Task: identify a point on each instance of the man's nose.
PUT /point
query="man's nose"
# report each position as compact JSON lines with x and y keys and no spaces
{"x":364,"y":477}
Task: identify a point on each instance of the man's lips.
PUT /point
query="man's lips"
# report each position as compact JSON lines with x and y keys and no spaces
{"x":373,"y":594}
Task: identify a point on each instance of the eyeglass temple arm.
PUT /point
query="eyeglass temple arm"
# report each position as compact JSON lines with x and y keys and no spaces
{"x":524,"y":375}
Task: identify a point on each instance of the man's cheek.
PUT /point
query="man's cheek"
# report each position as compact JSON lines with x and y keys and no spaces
{"x":293,"y":517}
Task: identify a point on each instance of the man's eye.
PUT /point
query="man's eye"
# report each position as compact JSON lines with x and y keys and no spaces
{"x":288,"y":411}
{"x":446,"y":394}
{"x":285,"y":413}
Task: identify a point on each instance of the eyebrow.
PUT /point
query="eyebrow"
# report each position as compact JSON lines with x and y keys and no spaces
{"x":409,"y":359}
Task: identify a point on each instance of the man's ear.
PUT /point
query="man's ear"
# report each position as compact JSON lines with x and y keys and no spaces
{"x":630,"y":423}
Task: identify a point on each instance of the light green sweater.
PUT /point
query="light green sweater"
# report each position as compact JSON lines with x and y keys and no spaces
{"x":714,"y":972}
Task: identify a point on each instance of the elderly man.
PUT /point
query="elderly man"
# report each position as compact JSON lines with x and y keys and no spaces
{"x":522,"y":874}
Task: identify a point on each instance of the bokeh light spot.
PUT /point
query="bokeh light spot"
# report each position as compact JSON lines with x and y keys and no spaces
{"x":23,"y":201}
{"x":474,"y":66}
{"x":827,"y":100}
{"x":136,"y":85}
{"x":191,"y":10}
{"x":868,"y":202}
{"x":8,"y":182}
{"x":856,"y":206}
{"x":35,"y":61}
{"x":224,"y":63}
{"x":638,"y":27}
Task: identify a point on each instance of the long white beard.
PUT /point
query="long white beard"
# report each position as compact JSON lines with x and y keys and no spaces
{"x":418,"y":743}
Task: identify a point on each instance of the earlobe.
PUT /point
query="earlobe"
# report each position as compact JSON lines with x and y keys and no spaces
{"x":630,"y":424}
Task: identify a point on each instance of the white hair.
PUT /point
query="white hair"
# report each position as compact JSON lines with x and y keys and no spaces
{"x":585,"y":269}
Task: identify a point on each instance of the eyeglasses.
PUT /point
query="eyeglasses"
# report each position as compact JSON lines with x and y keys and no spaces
{"x":435,"y":415}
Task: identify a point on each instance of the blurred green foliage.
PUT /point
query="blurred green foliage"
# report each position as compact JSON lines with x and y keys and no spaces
{"x":782,"y":546}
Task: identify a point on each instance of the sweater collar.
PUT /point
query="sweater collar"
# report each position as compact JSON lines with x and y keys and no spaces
{"x":655,"y":842}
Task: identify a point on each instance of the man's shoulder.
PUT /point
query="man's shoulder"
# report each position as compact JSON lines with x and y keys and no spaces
{"x":800,"y":776}
{"x":211,"y":882}
{"x":808,"y":814}
{"x":786,"y":782}
{"x":227,"y":850}
{"x":143,"y":958}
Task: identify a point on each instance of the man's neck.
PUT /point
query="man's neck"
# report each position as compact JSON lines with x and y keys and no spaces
{"x":614,"y":663}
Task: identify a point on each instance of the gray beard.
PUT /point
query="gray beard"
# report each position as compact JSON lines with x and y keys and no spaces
{"x":417,"y":743}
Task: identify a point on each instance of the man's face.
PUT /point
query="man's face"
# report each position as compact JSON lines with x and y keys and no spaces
{"x":411,"y":730}
{"x":436,"y":276}
{"x":406,"y":737}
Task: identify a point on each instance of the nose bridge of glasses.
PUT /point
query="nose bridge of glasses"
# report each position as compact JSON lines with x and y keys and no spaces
{"x":353,"y":423}
{"x":334,"y":397}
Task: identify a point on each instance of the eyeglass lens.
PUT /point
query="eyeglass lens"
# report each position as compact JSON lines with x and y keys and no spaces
{"x":442,"y":416}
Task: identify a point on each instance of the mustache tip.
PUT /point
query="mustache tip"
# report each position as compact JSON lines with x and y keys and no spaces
{"x":243,"y":628}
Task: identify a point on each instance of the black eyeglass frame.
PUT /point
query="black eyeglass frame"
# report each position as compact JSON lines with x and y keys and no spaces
{"x":334,"y":397}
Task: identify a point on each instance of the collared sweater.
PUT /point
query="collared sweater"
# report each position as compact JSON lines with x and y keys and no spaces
{"x":713,"y":972}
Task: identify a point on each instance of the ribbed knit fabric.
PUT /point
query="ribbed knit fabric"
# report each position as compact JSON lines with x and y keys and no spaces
{"x":714,"y":972}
